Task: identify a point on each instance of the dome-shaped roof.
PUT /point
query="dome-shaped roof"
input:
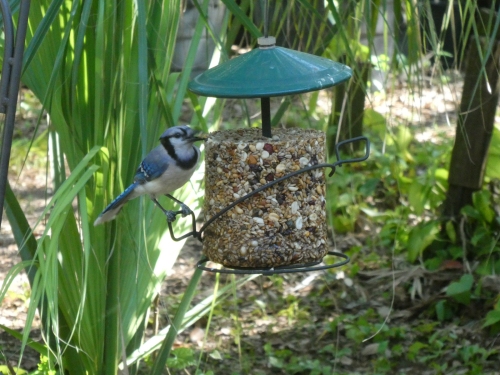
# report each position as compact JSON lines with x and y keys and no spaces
{"x":269,"y":71}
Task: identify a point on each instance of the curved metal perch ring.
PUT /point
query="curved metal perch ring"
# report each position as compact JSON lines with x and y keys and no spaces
{"x":301,"y":267}
{"x":283,"y":269}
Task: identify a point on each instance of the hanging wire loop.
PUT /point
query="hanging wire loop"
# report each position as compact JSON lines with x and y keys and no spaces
{"x":333,"y":166}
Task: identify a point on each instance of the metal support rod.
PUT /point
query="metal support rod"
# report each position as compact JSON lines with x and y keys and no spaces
{"x":266,"y":18}
{"x":265,"y":105}
{"x":13,"y":90}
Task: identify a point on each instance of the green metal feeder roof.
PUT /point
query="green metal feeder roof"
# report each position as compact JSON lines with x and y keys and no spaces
{"x":269,"y":71}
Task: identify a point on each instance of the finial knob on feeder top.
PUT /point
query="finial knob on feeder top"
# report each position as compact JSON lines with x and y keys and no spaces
{"x":265,"y":42}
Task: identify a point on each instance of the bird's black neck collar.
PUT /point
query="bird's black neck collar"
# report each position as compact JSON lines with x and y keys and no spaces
{"x":184,"y":163}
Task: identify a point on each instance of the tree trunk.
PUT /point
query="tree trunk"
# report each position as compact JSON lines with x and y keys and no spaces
{"x":474,"y":126}
{"x":351,"y":124}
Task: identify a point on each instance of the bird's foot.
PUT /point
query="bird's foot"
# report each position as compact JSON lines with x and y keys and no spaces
{"x":171,"y":216}
{"x":185,"y":210}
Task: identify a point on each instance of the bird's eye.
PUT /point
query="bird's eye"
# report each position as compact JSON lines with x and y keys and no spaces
{"x":177,"y":135}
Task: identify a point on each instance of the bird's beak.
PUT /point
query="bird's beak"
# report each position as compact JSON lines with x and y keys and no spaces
{"x":199,"y":137}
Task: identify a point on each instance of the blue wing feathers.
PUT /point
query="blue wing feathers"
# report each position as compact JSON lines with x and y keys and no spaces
{"x":121,"y":199}
{"x":114,"y":207}
{"x":153,"y":166}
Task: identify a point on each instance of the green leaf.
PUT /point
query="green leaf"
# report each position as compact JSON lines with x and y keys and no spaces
{"x":493,"y":317}
{"x":343,"y":224}
{"x":375,"y":121}
{"x":470,"y":212}
{"x":482,"y":235}
{"x":415,"y":348}
{"x":483,"y":202}
{"x":235,"y":9}
{"x":461,"y":290}
{"x":344,"y":200}
{"x":421,"y":237}
{"x":450,"y":231}
{"x":21,"y":230}
{"x":5,"y":370}
{"x":369,"y":187}
{"x":403,"y":138}
{"x":441,"y":174}
{"x":493,"y":163}
{"x":281,"y":111}
{"x":443,"y":311}
{"x":40,"y":33}
{"x":417,"y":197}
{"x":102,"y":71}
{"x":40,"y":348}
{"x":276,"y":362}
{"x":181,"y":358}
{"x":216,"y":355}
{"x":373,"y":213}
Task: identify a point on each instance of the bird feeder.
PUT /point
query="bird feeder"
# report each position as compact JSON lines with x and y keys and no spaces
{"x":265,"y":188}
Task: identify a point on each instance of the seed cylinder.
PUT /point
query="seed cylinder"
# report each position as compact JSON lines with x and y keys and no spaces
{"x":284,"y":224}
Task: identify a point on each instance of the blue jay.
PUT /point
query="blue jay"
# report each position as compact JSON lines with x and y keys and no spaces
{"x":165,"y":169}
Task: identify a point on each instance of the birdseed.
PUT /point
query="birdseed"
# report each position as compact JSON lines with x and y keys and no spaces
{"x":282,"y":225}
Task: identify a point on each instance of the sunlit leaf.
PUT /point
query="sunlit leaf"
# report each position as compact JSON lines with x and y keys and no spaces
{"x":417,"y":196}
{"x":5,"y":370}
{"x":420,"y":237}
{"x":375,"y":121}
{"x":483,"y":203}
{"x":493,"y":163}
{"x":493,"y":317}
{"x":181,"y":358}
{"x":216,"y":355}
{"x":450,"y":231}
{"x":441,"y":174}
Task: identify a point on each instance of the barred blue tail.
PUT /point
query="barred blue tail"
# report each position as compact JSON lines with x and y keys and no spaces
{"x":114,"y":207}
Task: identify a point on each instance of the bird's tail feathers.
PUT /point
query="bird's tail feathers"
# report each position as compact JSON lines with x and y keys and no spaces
{"x":114,"y":207}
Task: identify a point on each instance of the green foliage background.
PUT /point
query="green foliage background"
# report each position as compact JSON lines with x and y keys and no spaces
{"x":102,"y":72}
